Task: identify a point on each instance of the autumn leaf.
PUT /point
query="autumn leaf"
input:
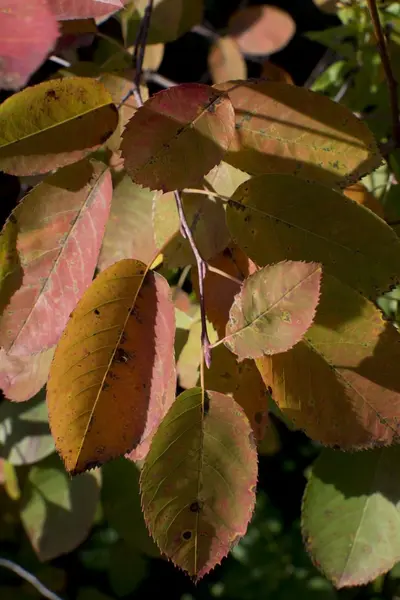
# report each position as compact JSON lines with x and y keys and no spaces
{"x":111,"y":378}
{"x":225,"y":60}
{"x":60,"y":225}
{"x":359,"y":193}
{"x":177,"y":136}
{"x":21,"y":377}
{"x":23,"y":46}
{"x":84,"y":9}
{"x":53,"y":124}
{"x":11,"y":273}
{"x":341,"y":383}
{"x":198,"y":480}
{"x":225,"y":179}
{"x":350,"y":515}
{"x":282,"y":128}
{"x":282,"y":217}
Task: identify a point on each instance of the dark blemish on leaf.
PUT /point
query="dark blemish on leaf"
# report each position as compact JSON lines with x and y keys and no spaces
{"x":51,"y":94}
{"x":269,"y":390}
{"x":121,"y":356}
{"x":96,"y":311}
{"x":178,"y":131}
{"x":106,"y":385}
{"x":186,"y":535}
{"x":196,"y":507}
{"x":258,"y":417}
{"x":12,"y":218}
{"x":206,"y":404}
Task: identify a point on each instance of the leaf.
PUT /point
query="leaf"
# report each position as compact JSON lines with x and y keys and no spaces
{"x":121,"y":503}
{"x":10,"y":267}
{"x":177,"y":136}
{"x":206,"y":218}
{"x":198,"y":481}
{"x":188,"y":364}
{"x":24,"y":432}
{"x":273,"y":72}
{"x":273,"y":309}
{"x":225,"y":61}
{"x":341,"y":383}
{"x":110,"y":379}
{"x":57,"y":512}
{"x":60,"y":227}
{"x":84,"y":9}
{"x":261,"y":29}
{"x":170,"y":19}
{"x":129,"y":230}
{"x":23,"y":47}
{"x":329,"y":6}
{"x":282,"y":217}
{"x":22,"y":377}
{"x":53,"y":124}
{"x":282,"y":128}
{"x":351,"y":507}
{"x":225,"y":179}
{"x":359,"y":193}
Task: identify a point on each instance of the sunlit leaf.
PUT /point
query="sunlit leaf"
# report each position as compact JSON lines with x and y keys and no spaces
{"x":129,"y":230}
{"x":28,"y":32}
{"x":351,"y":507}
{"x":198,"y":481}
{"x":57,"y":511}
{"x":225,"y":60}
{"x":60,"y":225}
{"x":341,"y":383}
{"x":53,"y":124}
{"x":178,"y":136}
{"x":225,"y":179}
{"x":282,"y":128}
{"x":188,"y":363}
{"x":273,"y":310}
{"x":21,"y":377}
{"x":206,"y":218}
{"x":170,"y":19}
{"x":110,"y":381}
{"x":84,"y":9}
{"x":24,"y":432}
{"x":282,"y":217}
{"x":261,"y":29}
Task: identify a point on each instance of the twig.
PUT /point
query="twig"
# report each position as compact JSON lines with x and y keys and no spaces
{"x":158,"y":79}
{"x":43,"y":590}
{"x":223,"y":274}
{"x":385,"y":58}
{"x":206,"y":193}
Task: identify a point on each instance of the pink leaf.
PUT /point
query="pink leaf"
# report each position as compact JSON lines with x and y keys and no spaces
{"x":21,"y":377}
{"x":84,"y":9}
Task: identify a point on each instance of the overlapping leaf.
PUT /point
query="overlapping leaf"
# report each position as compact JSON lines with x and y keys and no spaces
{"x":84,"y":9}
{"x":10,"y":267}
{"x":206,"y":218}
{"x":28,"y":32}
{"x":351,"y":507}
{"x":225,"y":179}
{"x":21,"y":377}
{"x":53,"y":124}
{"x":178,"y":136}
{"x":198,"y":480}
{"x":341,"y":383}
{"x":282,"y":217}
{"x":111,"y":380}
{"x":225,"y":60}
{"x":57,"y":511}
{"x":60,"y":225}
{"x":288,"y":129}
{"x":274,"y":308}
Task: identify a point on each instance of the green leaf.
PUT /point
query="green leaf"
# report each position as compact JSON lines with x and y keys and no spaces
{"x":177,"y":136}
{"x":53,"y":124}
{"x":25,"y":436}
{"x":283,"y":217}
{"x":351,"y":520}
{"x":198,"y":480}
{"x":341,"y":383}
{"x":282,"y":128}
{"x":57,"y":512}
{"x":273,"y":310}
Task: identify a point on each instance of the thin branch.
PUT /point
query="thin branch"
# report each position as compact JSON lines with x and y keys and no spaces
{"x":385,"y":58}
{"x":43,"y":590}
{"x":158,"y":79}
{"x":206,"y":193}
{"x":223,"y":274}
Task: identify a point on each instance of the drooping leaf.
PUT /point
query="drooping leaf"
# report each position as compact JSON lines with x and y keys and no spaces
{"x":206,"y":218}
{"x":178,"y":136}
{"x":273,"y":310}
{"x":341,"y":383}
{"x":110,"y":379}
{"x":350,"y":518}
{"x":283,"y":217}
{"x":84,"y":9}
{"x":198,"y":481}
{"x":170,"y":19}
{"x":53,"y":124}
{"x":28,"y":32}
{"x":225,"y":60}
{"x":25,"y":436}
{"x":129,"y":230}
{"x":261,"y":29}
{"x":189,"y":358}
{"x":282,"y":128}
{"x":360,"y":194}
{"x":57,"y":512}
{"x":60,"y":225}
{"x":10,"y":267}
{"x":225,"y":179}
{"x":22,"y":377}
{"x":120,"y":495}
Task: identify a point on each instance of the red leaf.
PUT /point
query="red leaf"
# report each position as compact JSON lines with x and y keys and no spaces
{"x":84,"y":9}
{"x":61,"y":224}
{"x":28,"y":32}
